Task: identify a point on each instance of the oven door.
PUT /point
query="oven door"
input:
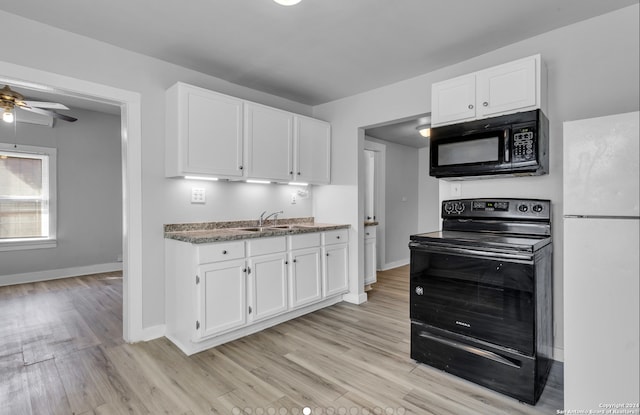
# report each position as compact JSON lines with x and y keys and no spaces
{"x":482,"y":294}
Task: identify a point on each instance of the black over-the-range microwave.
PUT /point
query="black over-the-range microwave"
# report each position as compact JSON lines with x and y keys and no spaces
{"x":514,"y":144}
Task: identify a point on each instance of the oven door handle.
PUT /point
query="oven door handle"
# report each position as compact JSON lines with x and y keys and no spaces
{"x":470,"y":349}
{"x":453,"y":250}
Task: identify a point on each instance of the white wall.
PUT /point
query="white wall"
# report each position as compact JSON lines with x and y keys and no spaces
{"x":49,"y":49}
{"x":89,"y":194}
{"x":428,"y":193}
{"x":401,"y":201}
{"x":593,"y":69}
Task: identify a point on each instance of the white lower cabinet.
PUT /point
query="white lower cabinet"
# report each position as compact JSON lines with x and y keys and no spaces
{"x":221,"y":297}
{"x":370,"y":260}
{"x":268,"y":286}
{"x":336,"y":262}
{"x":305,"y":282}
{"x":222,"y":291}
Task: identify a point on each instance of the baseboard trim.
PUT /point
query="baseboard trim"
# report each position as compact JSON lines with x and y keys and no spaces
{"x":55,"y":274}
{"x":355,"y":298}
{"x":154,"y":332}
{"x":395,"y":264}
{"x":558,"y":354}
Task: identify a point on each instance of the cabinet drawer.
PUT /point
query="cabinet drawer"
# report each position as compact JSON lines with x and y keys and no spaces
{"x":262,"y":246}
{"x":370,"y":232}
{"x":220,"y":251}
{"x":338,"y":236}
{"x":307,"y":240}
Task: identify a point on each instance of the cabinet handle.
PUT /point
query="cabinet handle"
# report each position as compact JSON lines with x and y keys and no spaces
{"x":295,"y":260}
{"x":250,"y":310}
{"x":240,"y":167}
{"x":368,"y":234}
{"x":224,"y":252}
{"x":291,"y":172}
{"x":485,"y":104}
{"x":470,"y":106}
{"x":286,"y":262}
{"x":327,"y":254}
{"x":244,"y":270}
{"x":299,"y":173}
{"x":338,"y":237}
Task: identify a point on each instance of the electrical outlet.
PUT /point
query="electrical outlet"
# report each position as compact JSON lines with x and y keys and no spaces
{"x":294,"y":198}
{"x":456,"y":189}
{"x":198,"y":195}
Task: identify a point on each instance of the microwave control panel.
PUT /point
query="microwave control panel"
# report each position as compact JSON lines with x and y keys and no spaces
{"x":523,"y":145}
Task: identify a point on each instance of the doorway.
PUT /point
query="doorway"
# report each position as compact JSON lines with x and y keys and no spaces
{"x":130,"y":115}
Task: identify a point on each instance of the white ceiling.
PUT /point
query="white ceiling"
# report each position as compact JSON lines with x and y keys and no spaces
{"x":318,"y":50}
{"x":315,"y":52}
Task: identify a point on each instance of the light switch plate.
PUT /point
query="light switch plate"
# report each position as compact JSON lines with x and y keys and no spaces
{"x":198,"y":195}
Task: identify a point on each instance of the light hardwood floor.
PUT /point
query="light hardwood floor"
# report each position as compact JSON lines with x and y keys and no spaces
{"x":61,"y":352}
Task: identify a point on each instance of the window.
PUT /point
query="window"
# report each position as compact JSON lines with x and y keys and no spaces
{"x":27,"y":197}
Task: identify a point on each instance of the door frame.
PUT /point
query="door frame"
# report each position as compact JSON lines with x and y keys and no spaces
{"x":130,"y":121}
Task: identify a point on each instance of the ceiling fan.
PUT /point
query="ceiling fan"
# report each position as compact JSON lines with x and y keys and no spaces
{"x":10,"y":99}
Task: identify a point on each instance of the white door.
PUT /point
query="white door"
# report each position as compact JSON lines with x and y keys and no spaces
{"x":306,"y":279}
{"x":268,"y":279}
{"x":269,"y":143}
{"x":313,"y":151}
{"x":222,"y":297}
{"x":601,"y":313}
{"x":336,"y":272}
{"x":506,"y":88}
{"x":453,"y":100}
{"x":211,"y":133}
{"x":370,"y":185}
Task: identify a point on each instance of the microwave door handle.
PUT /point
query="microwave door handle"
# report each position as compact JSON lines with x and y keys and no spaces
{"x":507,"y":147}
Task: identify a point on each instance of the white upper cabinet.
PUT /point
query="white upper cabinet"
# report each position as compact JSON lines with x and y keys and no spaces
{"x":215,"y":135}
{"x":507,"y":87}
{"x":269,"y":138}
{"x":312,"y":162}
{"x":453,"y":100}
{"x":203,"y":133}
{"x":512,"y":87}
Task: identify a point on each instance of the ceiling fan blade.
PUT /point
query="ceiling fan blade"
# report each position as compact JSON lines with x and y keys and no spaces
{"x":49,"y":113}
{"x":50,"y":105}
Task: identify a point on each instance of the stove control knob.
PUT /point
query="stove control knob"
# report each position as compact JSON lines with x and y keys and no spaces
{"x":459,"y":207}
{"x":523,"y":208}
{"x":448,"y":207}
{"x":419,"y":290}
{"x":538,"y":208}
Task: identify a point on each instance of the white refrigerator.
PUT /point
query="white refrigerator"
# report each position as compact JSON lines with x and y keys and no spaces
{"x":601,"y":256}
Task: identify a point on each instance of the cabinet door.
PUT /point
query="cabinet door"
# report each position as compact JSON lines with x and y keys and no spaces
{"x":210,"y":133}
{"x":453,"y":100}
{"x":506,"y":88}
{"x":313,"y":151}
{"x":222,"y":298}
{"x":268,"y":281}
{"x":336,"y":272}
{"x":369,"y":260}
{"x":269,"y":143}
{"x":305,"y":283}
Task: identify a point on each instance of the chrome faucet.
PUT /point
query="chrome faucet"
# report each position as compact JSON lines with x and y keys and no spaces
{"x":262,"y":218}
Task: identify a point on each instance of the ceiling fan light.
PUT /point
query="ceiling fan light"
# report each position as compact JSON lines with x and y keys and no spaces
{"x":7,"y":116}
{"x":287,"y":2}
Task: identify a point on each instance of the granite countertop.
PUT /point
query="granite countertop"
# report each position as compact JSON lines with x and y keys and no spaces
{"x":207,"y":232}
